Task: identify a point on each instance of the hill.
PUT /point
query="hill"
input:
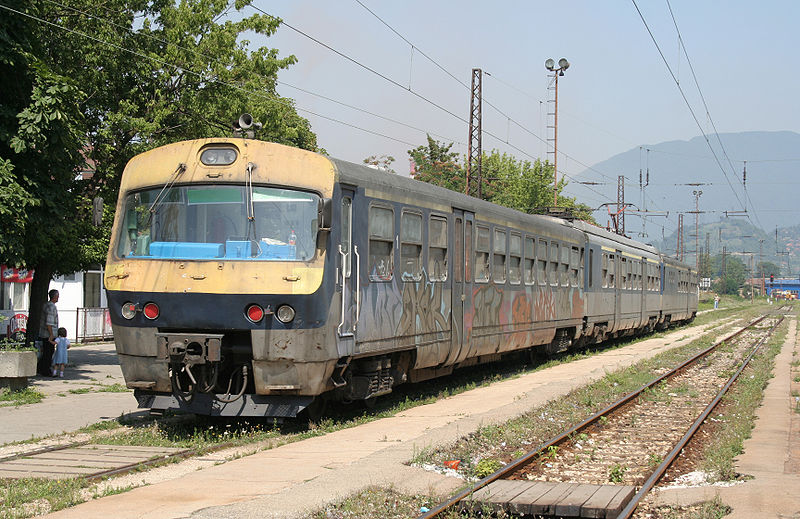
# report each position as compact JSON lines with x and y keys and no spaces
{"x":772,"y":163}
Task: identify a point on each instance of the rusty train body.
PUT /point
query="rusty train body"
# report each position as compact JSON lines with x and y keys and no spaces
{"x":250,"y":278}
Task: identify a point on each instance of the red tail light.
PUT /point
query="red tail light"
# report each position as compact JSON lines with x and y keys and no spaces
{"x":150,"y":310}
{"x":255,"y":313}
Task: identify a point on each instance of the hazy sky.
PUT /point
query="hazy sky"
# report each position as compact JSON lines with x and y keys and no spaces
{"x":617,"y":94}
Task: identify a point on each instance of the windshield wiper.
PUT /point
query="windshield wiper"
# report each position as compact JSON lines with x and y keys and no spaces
{"x":164,"y":191}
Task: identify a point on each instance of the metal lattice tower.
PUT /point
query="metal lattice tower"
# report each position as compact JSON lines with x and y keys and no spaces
{"x":474,"y":148}
{"x":679,"y":254}
{"x":621,"y":205}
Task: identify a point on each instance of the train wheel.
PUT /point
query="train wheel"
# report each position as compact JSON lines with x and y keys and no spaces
{"x":369,"y":403}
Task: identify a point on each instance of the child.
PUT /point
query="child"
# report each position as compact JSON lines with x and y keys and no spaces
{"x":60,"y":356}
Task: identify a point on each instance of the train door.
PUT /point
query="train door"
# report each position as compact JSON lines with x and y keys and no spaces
{"x":348,"y":277}
{"x":618,"y":286}
{"x":462,"y":287}
{"x":641,"y":284}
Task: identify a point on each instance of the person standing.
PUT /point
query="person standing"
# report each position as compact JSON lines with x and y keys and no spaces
{"x":48,"y":329}
{"x":60,"y":355}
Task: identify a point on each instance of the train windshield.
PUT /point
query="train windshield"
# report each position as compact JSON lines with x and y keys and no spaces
{"x":222,"y":222}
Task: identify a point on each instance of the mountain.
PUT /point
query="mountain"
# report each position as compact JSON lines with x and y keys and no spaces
{"x":773,"y":164}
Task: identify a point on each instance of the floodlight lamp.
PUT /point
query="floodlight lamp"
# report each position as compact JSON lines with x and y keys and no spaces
{"x":550,"y":64}
{"x":563,"y":64}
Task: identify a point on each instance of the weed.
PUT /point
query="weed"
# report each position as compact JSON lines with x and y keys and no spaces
{"x":80,"y":390}
{"x":616,"y":473}
{"x":114,"y":388}
{"x":653,"y":460}
{"x":20,"y":397}
{"x":486,"y":466}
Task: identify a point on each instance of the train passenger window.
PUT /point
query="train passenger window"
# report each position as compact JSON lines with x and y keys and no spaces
{"x":604,"y":270}
{"x":581,"y":267}
{"x":482,"y":254}
{"x":347,"y":218}
{"x":437,"y":248}
{"x":541,"y":262}
{"x":553,"y":263}
{"x":381,"y":243}
{"x":499,"y":257}
{"x":612,"y":271}
{"x":468,"y":252}
{"x":411,"y":246}
{"x":530,"y":260}
{"x":515,"y":258}
{"x":574,"y":264}
{"x":458,"y":242}
{"x":623,"y":272}
{"x":564,"y":266}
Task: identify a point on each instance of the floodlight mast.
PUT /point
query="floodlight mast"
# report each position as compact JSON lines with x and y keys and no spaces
{"x":550,"y":65}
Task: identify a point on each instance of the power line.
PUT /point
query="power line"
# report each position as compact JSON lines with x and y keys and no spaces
{"x":686,"y":100}
{"x":708,"y":112}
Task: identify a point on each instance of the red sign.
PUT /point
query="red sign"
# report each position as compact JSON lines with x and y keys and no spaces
{"x":15,"y":275}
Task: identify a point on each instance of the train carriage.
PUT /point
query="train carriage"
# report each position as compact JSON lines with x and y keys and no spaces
{"x":251,"y":278}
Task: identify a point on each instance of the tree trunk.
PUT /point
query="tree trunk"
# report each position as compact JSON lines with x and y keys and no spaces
{"x":39,"y":288}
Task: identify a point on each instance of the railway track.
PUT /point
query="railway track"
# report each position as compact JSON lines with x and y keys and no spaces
{"x":606,"y":465}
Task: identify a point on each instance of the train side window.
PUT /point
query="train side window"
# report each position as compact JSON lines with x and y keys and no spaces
{"x":482,"y":254}
{"x":612,"y":270}
{"x":604,"y":272}
{"x":514,"y":258}
{"x":437,"y":248}
{"x":381,"y":243}
{"x":468,"y":252}
{"x":623,"y":272}
{"x":574,"y":265}
{"x":347,"y":218}
{"x":410,"y":246}
{"x":564,"y":266}
{"x":541,"y":262}
{"x":499,"y":257}
{"x":591,"y":268}
{"x":553,"y":263}
{"x":530,"y":261}
{"x":458,"y":243}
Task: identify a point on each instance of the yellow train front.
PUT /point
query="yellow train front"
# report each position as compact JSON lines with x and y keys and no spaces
{"x":215,"y":277}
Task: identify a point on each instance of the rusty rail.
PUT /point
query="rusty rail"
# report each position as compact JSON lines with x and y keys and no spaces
{"x":531,"y":455}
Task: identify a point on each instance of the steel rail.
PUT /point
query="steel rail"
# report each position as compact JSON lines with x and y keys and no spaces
{"x":675,"y":452}
{"x":527,"y":458}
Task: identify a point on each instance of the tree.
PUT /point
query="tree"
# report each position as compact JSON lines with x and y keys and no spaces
{"x":768,"y":268}
{"x":437,"y":165}
{"x":102,"y":84}
{"x":381,"y":162}
{"x":734,"y":276}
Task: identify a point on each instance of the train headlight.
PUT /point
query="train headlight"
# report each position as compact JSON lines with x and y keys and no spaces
{"x":218,"y":156}
{"x":128,"y":310}
{"x":285,"y":314}
{"x":150,"y":311}
{"x":254,"y":313}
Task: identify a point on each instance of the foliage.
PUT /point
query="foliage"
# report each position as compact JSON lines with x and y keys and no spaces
{"x":89,"y":87}
{"x":20,"y":397}
{"x":486,"y":466}
{"x":522,"y":185}
{"x":381,"y":162}
{"x":767,"y":268}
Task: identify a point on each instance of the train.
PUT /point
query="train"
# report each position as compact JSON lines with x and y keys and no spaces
{"x":248,"y":278}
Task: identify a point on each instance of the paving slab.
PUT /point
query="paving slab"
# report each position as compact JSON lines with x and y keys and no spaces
{"x":290,"y":480}
{"x":90,"y":367}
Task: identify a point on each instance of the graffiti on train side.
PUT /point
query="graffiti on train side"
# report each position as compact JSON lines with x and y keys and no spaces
{"x":399,"y":309}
